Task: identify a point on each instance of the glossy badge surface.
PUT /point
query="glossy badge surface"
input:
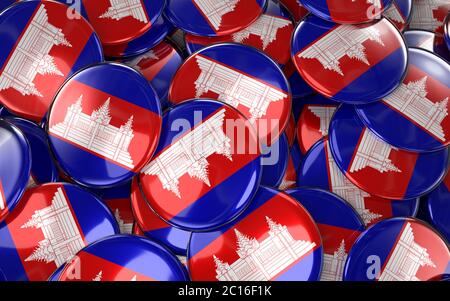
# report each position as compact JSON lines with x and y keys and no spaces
{"x":155,"y":228}
{"x":40,"y":50}
{"x":104,"y":125}
{"x":124,"y":258}
{"x":53,"y":224}
{"x":379,"y":168}
{"x":399,"y":249}
{"x":15,"y":166}
{"x":354,"y":64}
{"x":339,"y":227}
{"x":270,"y":33}
{"x":158,"y":66}
{"x":244,"y":78}
{"x":429,"y":41}
{"x":159,"y":30}
{"x":415,"y":116}
{"x":43,"y":167}
{"x":214,"y":17}
{"x":429,"y":15}
{"x":319,"y":169}
{"x":275,"y":239}
{"x":203,"y":175}
{"x":347,"y":11}
{"x":118,"y":22}
{"x":438,"y":205}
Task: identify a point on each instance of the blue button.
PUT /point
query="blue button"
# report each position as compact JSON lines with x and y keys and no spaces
{"x":203,"y":175}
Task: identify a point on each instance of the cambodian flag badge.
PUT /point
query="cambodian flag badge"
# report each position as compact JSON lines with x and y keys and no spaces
{"x":378,"y":167}
{"x":54,"y":222}
{"x":275,"y":239}
{"x":41,"y":49}
{"x":242,"y":77}
{"x":417,"y":109}
{"x":354,"y":64}
{"x":104,"y":125}
{"x":207,"y":167}
{"x":398,"y":249}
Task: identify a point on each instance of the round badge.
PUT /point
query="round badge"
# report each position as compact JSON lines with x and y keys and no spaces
{"x":42,"y":48}
{"x":399,"y":13}
{"x":144,"y":43}
{"x":350,"y":63}
{"x":153,"y":227}
{"x":398,"y":249}
{"x":319,"y":169}
{"x":43,"y":167}
{"x":213,"y":17}
{"x":275,"y":160}
{"x":104,"y":125}
{"x":290,"y":176}
{"x":415,"y":116}
{"x":379,"y":168}
{"x":427,"y":40}
{"x":242,"y":77}
{"x":55,"y":276}
{"x":124,"y":258}
{"x":15,"y":166}
{"x":206,"y":173}
{"x":275,"y":239}
{"x":118,"y":201}
{"x":158,"y":66}
{"x":118,"y":22}
{"x":429,"y":15}
{"x":299,"y":88}
{"x":270,"y":33}
{"x":295,"y":8}
{"x":438,"y":207}
{"x":55,"y":222}
{"x":339,"y":226}
{"x":314,"y":121}
{"x":347,"y":11}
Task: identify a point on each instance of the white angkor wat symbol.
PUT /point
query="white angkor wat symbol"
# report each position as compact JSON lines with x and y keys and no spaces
{"x":120,"y":9}
{"x":31,"y":55}
{"x":345,"y":40}
{"x":190,"y":154}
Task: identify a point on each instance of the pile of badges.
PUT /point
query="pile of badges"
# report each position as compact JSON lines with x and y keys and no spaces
{"x":224,"y":140}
